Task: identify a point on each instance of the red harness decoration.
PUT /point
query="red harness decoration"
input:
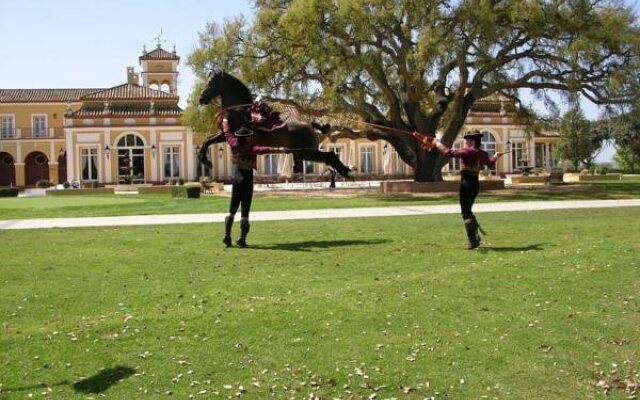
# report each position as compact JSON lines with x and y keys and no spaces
{"x":264,"y":118}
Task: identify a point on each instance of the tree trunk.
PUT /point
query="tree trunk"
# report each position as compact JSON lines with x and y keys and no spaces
{"x":428,"y":168}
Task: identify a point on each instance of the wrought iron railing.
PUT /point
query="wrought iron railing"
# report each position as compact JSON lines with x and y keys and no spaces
{"x":32,"y":133}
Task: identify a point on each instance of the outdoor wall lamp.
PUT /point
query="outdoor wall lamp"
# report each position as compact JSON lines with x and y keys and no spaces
{"x":220,"y":151}
{"x":508,"y":146}
{"x":153,"y":150}
{"x":107,"y":151}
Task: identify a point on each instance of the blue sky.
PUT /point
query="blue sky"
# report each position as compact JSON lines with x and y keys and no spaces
{"x":89,"y":44}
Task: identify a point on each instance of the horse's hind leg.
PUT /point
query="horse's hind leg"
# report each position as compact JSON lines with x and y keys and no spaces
{"x":329,"y":158}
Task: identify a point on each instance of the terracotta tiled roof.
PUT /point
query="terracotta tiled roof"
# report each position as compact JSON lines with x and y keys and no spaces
{"x":43,"y":95}
{"x":159,"y":54}
{"x":129,"y":91}
{"x":126,"y":110}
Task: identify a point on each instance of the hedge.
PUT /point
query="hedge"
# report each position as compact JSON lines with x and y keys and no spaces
{"x":8,"y":192}
{"x":190,"y":192}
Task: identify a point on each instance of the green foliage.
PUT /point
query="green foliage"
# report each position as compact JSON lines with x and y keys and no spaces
{"x":8,"y":192}
{"x":181,"y":191}
{"x":43,"y":184}
{"x":419,"y":65}
{"x":579,"y":139}
{"x":625,"y":131}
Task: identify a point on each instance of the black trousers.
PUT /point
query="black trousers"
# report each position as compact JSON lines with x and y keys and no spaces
{"x":469,"y":188}
{"x":241,"y":192}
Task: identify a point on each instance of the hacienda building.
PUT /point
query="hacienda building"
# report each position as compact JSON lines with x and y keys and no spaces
{"x":133,"y":134}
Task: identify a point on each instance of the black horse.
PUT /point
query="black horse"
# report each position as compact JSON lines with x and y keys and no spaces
{"x":301,"y":138}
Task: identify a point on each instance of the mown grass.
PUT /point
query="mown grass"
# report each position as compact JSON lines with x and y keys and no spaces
{"x":82,"y":206}
{"x":348,"y":309}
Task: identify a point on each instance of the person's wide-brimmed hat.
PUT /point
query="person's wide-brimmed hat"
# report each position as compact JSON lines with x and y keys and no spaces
{"x":243,"y":132}
{"x":475,"y":135}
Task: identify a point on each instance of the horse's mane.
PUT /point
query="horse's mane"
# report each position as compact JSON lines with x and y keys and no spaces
{"x":240,"y":92}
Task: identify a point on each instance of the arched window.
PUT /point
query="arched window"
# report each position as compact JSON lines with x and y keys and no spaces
{"x":130,"y":140}
{"x":489,"y":145}
{"x":165,"y":87}
{"x":131,"y":159}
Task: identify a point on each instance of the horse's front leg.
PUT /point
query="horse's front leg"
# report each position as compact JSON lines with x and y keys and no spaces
{"x":204,"y":150}
{"x":329,"y":158}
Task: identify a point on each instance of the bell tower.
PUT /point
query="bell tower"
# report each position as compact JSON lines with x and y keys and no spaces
{"x":160,"y":69}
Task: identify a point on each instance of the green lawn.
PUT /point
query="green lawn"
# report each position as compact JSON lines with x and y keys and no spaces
{"x":391,"y":307}
{"x":80,"y":206}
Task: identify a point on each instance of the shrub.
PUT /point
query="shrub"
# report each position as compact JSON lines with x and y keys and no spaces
{"x":66,"y":185}
{"x":43,"y":184}
{"x":8,"y":192}
{"x":180,"y":181}
{"x":602,"y":170}
{"x":190,"y":192}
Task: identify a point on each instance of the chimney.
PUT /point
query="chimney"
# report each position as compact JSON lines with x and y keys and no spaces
{"x":132,"y":76}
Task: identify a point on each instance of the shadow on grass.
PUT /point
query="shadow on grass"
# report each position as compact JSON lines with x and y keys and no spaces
{"x":310,"y":245}
{"x":531,"y":247}
{"x":103,"y":380}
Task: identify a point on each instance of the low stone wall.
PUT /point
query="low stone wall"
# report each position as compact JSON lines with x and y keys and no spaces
{"x":78,"y":192}
{"x":434,"y":187}
{"x":571,"y":177}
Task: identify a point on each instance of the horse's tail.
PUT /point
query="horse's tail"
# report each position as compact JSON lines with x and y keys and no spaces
{"x":323,"y":128}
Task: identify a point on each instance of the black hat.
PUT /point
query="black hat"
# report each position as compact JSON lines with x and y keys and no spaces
{"x":473,"y":135}
{"x":243,"y":132}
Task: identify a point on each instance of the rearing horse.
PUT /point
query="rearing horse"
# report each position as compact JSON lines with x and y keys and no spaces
{"x":301,"y":138}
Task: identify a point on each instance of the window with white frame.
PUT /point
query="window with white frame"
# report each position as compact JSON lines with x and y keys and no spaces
{"x":489,"y":145}
{"x":171,"y":161}
{"x":308,"y":167}
{"x":517,"y":154}
{"x":7,"y":128}
{"x":543,"y":155}
{"x":89,"y":163}
{"x":339,"y":150}
{"x":401,"y":166}
{"x":270,"y":164}
{"x":454,"y":163}
{"x":39,"y":125}
{"x":366,"y":159}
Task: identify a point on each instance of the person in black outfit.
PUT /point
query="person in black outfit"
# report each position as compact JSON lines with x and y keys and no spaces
{"x":244,"y":155}
{"x":472,"y":158}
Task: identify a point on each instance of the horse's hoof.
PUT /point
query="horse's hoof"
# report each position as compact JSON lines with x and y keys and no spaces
{"x":227,"y":241}
{"x":242,"y":243}
{"x":350,"y":176}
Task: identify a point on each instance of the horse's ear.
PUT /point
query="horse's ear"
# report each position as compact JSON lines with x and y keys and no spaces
{"x":216,"y":71}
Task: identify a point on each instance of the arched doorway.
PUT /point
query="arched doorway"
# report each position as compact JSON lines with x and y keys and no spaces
{"x":131,"y":159}
{"x":36,"y":168}
{"x":7,"y":170}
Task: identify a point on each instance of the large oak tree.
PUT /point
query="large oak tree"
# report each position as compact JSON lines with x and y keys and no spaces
{"x":419,"y":65}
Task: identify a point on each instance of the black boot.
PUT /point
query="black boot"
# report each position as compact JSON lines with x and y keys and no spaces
{"x":228,"y":223}
{"x":244,"y":230}
{"x":472,"y":233}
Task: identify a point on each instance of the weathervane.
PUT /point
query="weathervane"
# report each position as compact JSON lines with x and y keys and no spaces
{"x":158,"y":39}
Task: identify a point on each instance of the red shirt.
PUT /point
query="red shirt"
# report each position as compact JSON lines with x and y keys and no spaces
{"x":472,"y":158}
{"x":244,"y":152}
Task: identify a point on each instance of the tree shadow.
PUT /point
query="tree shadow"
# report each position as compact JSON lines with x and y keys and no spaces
{"x":103,"y":380}
{"x":531,"y":247}
{"x":310,"y":245}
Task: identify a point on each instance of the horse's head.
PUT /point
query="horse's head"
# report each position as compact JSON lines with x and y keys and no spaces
{"x":230,"y":89}
{"x":212,"y":90}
